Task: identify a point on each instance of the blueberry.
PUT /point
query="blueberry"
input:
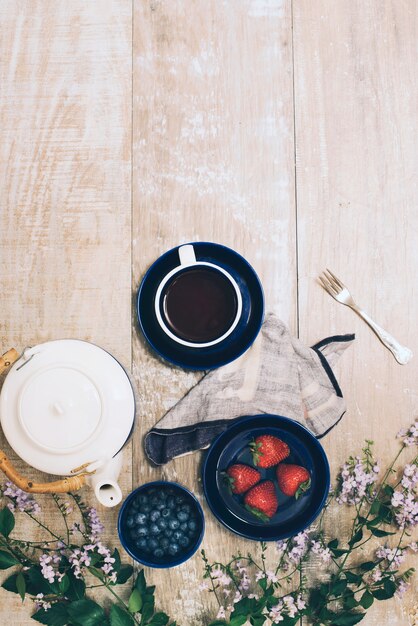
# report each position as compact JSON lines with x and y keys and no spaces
{"x":158,"y":553}
{"x":187,"y":508}
{"x":163,"y":495}
{"x":140,"y":519}
{"x":177,"y":534}
{"x":171,"y":502}
{"x":173,"y":548}
{"x":154,"y":515}
{"x":141,"y":499}
{"x":134,"y":533}
{"x":142,"y":544}
{"x":162,"y":523}
{"x":154,"y":500}
{"x":130,"y":522}
{"x":142,"y":531}
{"x":152,"y":543}
{"x":160,"y":506}
{"x":168,"y":533}
{"x":154,"y":530}
{"x":165,"y":513}
{"x":182,"y":516}
{"x":164,"y":543}
{"x":184,"y":541}
{"x":192,"y":524}
{"x":184,"y":526}
{"x":145,"y":508}
{"x":173,"y":524}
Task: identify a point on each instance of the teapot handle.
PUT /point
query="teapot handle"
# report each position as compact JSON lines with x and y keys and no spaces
{"x":71,"y":483}
{"x":8,"y":358}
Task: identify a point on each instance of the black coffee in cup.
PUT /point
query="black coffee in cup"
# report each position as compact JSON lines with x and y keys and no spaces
{"x":199,"y":304}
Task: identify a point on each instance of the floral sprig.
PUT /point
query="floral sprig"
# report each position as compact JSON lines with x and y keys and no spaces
{"x":385,"y":507}
{"x":56,"y":573}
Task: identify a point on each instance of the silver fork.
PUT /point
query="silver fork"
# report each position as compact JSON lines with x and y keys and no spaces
{"x":339,"y":292}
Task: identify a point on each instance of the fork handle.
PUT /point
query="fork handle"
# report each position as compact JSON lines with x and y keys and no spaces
{"x":402,"y":354}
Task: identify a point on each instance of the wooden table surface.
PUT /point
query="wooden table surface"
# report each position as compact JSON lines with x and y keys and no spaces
{"x":284,"y":129}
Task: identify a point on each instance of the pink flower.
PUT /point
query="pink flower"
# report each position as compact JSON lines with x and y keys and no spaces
{"x":221,"y":613}
{"x":21,"y":500}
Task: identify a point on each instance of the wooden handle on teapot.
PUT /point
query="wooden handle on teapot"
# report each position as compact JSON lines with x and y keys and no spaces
{"x":72,"y":483}
{"x":8,"y":359}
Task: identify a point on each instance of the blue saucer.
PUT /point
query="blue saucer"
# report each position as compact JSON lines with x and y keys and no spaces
{"x":235,"y":344}
{"x":292,"y":515}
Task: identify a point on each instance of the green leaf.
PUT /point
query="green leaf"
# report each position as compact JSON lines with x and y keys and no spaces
{"x":7,"y":560}
{"x":140,"y":582}
{"x":263,"y":583}
{"x":237,"y":620}
{"x":354,"y":579}
{"x":57,"y":615}
{"x":358,"y":536}
{"x":125,"y":572}
{"x":7,"y":521}
{"x":350,"y":602}
{"x":367,"y":566}
{"x":159,"y":619}
{"x":36,"y":583}
{"x":337,"y":552}
{"x":348,"y":619}
{"x":10,"y":584}
{"x":85,"y":612}
{"x":388,"y":490}
{"x":76,"y":588}
{"x":338,"y":587}
{"x":98,"y":573}
{"x":147,"y":610}
{"x":218,"y":622}
{"x":387,"y":592}
{"x":21,"y":585}
{"x":366,"y":600}
{"x":64,"y":584}
{"x":333,"y":544}
{"x":375,"y":508}
{"x":116,"y":565}
{"x":380,"y":533}
{"x":374,"y":521}
{"x":257,"y":620}
{"x":119,"y":617}
{"x":135,"y":601}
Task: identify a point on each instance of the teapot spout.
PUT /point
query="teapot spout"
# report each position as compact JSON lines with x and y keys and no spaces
{"x":104,"y":482}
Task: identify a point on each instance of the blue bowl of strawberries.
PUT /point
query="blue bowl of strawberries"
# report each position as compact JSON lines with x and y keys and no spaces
{"x":266,"y":477}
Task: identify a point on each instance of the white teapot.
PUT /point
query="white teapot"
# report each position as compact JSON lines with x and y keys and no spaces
{"x":67,"y":407}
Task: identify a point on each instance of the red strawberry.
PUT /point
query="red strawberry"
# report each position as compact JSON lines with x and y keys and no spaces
{"x":241,"y":477}
{"x":261,"y":500}
{"x":293,"y":480}
{"x":268,"y":450}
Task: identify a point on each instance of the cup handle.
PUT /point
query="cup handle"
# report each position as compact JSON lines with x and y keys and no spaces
{"x":187,"y":255}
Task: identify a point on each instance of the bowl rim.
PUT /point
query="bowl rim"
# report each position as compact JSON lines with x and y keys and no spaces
{"x":153,"y":564}
{"x":301,"y":527}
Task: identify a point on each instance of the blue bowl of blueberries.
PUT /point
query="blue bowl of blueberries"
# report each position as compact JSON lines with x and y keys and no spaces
{"x":161,"y":524}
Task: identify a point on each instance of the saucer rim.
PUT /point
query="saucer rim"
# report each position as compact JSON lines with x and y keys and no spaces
{"x":179,"y":362}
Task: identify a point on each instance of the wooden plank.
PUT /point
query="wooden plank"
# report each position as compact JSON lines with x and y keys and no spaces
{"x":356,"y":123}
{"x":65,"y":172}
{"x":213,"y":160}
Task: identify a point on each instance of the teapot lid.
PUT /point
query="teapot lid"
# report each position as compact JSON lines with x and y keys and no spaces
{"x":66,"y":403}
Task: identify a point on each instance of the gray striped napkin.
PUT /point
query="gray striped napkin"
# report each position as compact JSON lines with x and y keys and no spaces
{"x":278,"y":375}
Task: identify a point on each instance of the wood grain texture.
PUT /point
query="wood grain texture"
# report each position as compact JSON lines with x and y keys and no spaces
{"x":356,"y":127}
{"x":65,"y":166}
{"x":213,"y":160}
{"x":209,"y":134}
